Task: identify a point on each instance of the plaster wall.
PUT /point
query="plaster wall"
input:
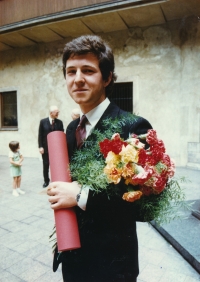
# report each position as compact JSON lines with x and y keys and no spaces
{"x":162,"y":61}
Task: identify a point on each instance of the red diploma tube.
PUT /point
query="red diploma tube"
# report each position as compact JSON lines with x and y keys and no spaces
{"x":65,"y":219}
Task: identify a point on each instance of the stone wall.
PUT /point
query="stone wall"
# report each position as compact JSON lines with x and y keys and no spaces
{"x":163,"y":62}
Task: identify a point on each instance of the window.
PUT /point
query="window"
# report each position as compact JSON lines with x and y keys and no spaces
{"x":9,"y":118}
{"x":122,"y":96}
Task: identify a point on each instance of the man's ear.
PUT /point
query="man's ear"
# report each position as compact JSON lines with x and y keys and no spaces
{"x":108,"y":80}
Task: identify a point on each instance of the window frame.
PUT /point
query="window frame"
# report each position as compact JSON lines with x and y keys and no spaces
{"x":12,"y":127}
{"x":129,"y":86}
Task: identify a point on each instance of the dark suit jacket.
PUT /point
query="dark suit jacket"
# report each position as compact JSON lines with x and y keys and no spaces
{"x":109,"y":250}
{"x":44,"y":129}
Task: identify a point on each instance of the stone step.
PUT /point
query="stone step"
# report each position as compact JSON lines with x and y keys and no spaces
{"x":183,"y":235}
{"x":193,"y":165}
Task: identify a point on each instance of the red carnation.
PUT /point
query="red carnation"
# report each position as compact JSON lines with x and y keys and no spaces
{"x":105,"y":147}
{"x":160,"y":184}
{"x":157,"y":150}
{"x":142,"y":157}
{"x":114,"y":145}
{"x":151,"y":136}
{"x":166,"y":160}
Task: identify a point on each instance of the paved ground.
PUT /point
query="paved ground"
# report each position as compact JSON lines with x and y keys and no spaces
{"x":27,"y":221}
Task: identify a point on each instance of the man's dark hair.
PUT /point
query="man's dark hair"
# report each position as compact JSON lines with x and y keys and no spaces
{"x":92,"y":44}
{"x":13,"y":145}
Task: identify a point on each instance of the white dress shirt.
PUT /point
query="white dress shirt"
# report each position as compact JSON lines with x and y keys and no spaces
{"x":93,"y":117}
{"x":50,"y":119}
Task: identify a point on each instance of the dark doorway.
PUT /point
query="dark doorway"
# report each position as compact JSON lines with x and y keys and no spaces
{"x":123,"y":96}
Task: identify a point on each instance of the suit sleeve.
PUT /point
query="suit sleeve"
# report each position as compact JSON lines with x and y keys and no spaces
{"x":141,"y":126}
{"x":62,"y":127}
{"x":40,"y":133}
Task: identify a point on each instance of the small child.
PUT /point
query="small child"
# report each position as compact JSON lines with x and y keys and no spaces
{"x":16,"y":159}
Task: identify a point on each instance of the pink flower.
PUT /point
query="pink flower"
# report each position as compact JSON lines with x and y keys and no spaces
{"x":115,"y":136}
{"x":171,"y":169}
{"x":140,"y":178}
{"x":166,"y":160}
{"x":160,"y":184}
{"x":133,"y":135}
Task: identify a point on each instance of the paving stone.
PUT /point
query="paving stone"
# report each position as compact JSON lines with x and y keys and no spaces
{"x":25,"y":251}
{"x":8,"y":277}
{"x":37,"y":250}
{"x":3,"y":232}
{"x":5,"y":251}
{"x":46,"y":258}
{"x":21,"y":266}
{"x":7,"y":261}
{"x":151,"y":273}
{"x":25,"y":246}
{"x":34,"y":272}
{"x":50,"y":277}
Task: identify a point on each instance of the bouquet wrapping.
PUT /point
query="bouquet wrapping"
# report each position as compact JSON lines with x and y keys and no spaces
{"x":67,"y":232}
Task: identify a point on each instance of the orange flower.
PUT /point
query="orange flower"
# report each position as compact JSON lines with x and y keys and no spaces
{"x":113,"y":174}
{"x":128,"y":170}
{"x":132,"y":196}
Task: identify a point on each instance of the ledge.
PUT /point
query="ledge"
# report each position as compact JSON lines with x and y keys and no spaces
{"x":193,"y":166}
{"x":77,"y":12}
{"x":9,"y":129}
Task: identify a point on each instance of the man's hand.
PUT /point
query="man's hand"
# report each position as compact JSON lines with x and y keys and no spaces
{"x":41,"y":150}
{"x":63,"y":194}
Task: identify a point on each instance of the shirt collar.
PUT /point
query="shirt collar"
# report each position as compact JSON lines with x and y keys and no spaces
{"x":95,"y":114}
{"x":50,"y":119}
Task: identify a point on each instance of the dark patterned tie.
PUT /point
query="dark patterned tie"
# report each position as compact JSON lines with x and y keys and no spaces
{"x":52,"y":125}
{"x":81,"y":131}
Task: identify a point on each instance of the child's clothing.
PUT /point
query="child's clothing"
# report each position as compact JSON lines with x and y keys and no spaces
{"x":15,"y":193}
{"x":19,"y":191}
{"x":14,"y":169}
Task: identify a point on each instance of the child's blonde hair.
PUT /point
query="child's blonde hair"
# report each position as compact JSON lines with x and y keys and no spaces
{"x":14,"y":145}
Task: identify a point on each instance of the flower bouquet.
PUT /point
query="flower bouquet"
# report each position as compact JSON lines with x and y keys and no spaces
{"x":147,"y":170}
{"x":147,"y":173}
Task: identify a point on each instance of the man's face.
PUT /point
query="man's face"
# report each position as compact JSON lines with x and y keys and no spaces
{"x":54,"y":114}
{"x":84,"y":81}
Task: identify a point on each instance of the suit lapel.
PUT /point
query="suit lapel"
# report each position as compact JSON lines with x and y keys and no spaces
{"x":48,"y":125}
{"x":111,"y":111}
{"x":71,"y":136}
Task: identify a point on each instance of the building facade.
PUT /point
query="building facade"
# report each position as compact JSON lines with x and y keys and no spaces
{"x":156,"y":47}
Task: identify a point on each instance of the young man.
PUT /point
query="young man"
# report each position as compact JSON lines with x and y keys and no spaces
{"x":47,"y":125}
{"x":109,"y":248}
